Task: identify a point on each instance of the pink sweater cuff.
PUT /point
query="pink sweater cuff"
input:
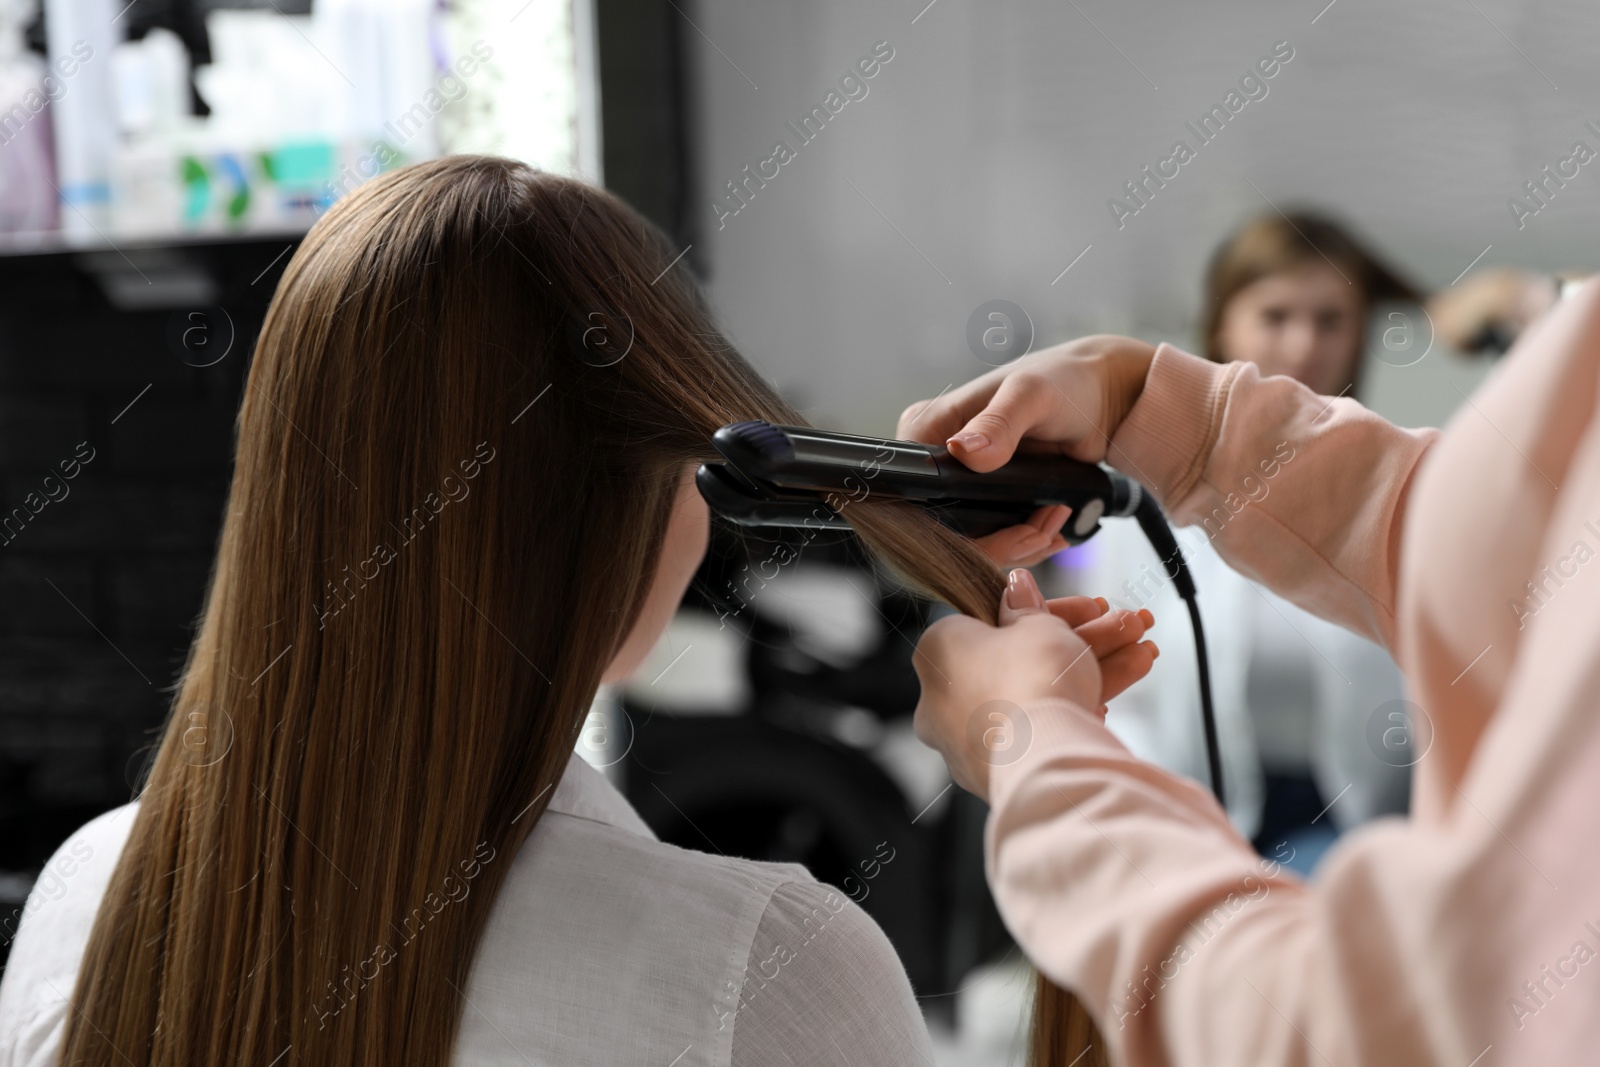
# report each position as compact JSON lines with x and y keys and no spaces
{"x":1163,"y":442}
{"x":1067,"y":737}
{"x":1056,"y":727}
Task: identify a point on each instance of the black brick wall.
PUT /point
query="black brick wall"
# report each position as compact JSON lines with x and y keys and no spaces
{"x":100,"y":588}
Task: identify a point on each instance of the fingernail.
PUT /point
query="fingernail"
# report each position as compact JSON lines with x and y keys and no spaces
{"x":1055,"y":524}
{"x":1105,"y":605}
{"x":1148,"y":619}
{"x":1029,"y":545}
{"x":1022,"y":591}
{"x":970,"y":441}
{"x":1155,"y":653}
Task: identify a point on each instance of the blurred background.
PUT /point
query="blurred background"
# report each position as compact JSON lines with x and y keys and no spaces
{"x":883,"y":199}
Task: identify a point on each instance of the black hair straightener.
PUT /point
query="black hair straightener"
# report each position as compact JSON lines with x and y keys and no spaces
{"x":794,"y":476}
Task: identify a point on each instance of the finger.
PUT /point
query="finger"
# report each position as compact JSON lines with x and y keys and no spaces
{"x":1015,"y":546}
{"x":906,"y":428}
{"x":1115,"y":630}
{"x":989,"y":438}
{"x":1049,"y":518}
{"x":1057,"y":543}
{"x":1029,"y":543}
{"x":933,"y":421}
{"x":1077,"y":610}
{"x":1022,"y":597}
{"x":1126,"y":666}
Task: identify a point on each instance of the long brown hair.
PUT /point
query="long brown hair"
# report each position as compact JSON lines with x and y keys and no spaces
{"x":1062,"y":1033}
{"x":447,"y":506}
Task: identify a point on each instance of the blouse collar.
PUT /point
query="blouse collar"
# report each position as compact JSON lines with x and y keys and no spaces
{"x":584,"y":793}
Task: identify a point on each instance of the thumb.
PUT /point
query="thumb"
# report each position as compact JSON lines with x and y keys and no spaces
{"x":1022,"y":597}
{"x":989,"y":438}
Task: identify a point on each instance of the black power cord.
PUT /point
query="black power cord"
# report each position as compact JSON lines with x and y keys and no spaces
{"x":1159,"y":533}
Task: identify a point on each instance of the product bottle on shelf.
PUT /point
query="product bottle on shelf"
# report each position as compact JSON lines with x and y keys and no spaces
{"x":82,"y":34}
{"x":27,"y":158}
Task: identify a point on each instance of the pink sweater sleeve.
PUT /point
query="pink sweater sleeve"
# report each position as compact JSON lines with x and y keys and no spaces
{"x":1301,"y":492}
{"x":1454,"y":940}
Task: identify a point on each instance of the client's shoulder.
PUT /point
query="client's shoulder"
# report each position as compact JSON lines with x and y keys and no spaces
{"x":47,"y":944}
{"x":76,"y":876}
{"x":590,"y":831}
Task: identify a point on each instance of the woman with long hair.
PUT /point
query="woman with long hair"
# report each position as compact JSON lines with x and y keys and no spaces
{"x":462,"y":499}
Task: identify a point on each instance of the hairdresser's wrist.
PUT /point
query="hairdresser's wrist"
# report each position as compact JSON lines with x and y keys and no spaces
{"x":1061,"y":734}
{"x":1124,"y":364}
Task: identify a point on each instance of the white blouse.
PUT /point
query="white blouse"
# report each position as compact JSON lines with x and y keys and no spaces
{"x":605,"y":946}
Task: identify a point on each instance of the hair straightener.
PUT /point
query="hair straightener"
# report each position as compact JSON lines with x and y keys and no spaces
{"x":794,"y":476}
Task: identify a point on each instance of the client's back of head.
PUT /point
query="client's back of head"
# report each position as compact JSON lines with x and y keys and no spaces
{"x":458,"y":451}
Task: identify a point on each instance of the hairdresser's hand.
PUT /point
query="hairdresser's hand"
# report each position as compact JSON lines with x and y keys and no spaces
{"x":1501,"y":301}
{"x":976,"y":678}
{"x":1033,"y":542}
{"x":1068,"y":399}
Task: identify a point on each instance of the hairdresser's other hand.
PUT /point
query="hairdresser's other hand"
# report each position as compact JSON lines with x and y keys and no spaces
{"x":1113,"y":636}
{"x":1489,"y":306}
{"x":976,"y":677}
{"x":1032,"y":542}
{"x":1068,"y":399}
